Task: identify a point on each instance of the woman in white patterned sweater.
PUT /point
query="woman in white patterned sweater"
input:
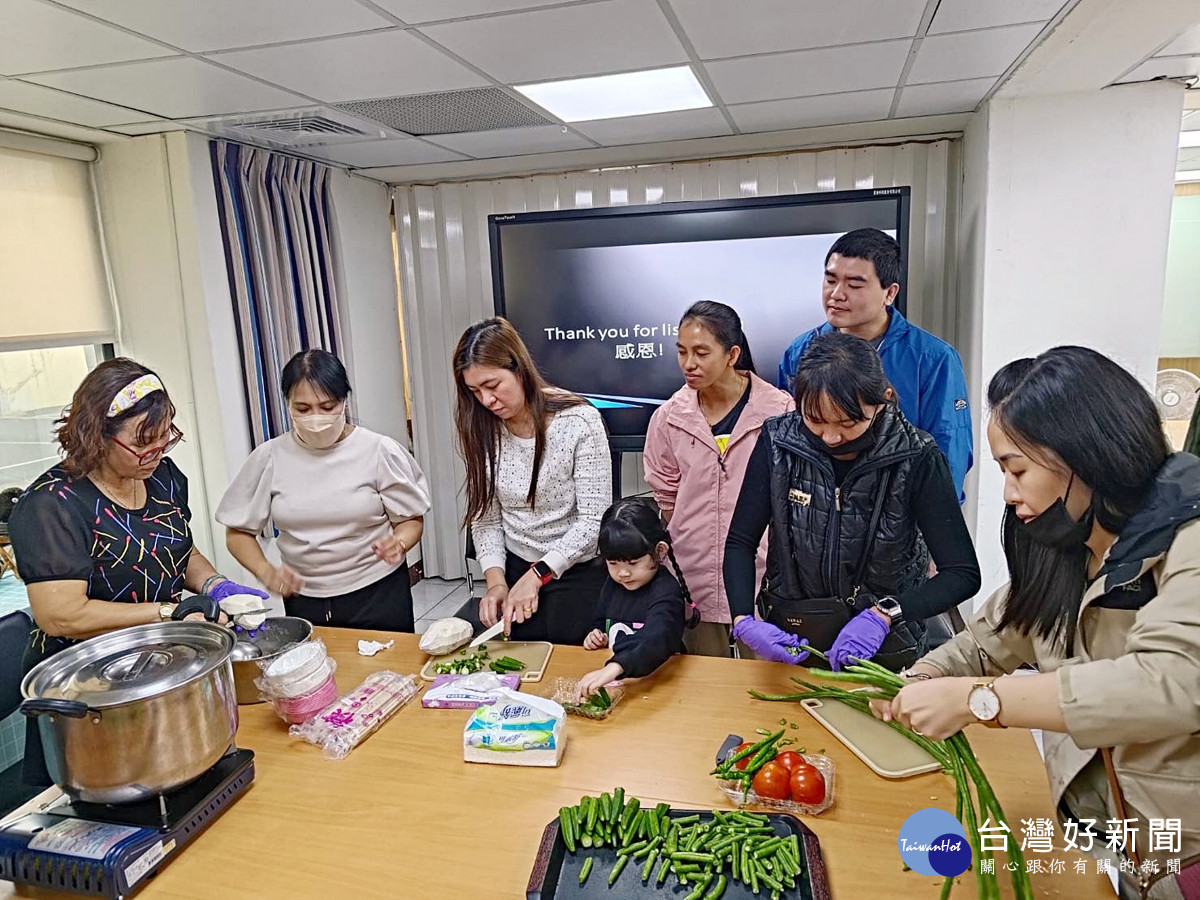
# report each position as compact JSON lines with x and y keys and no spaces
{"x":539,"y":477}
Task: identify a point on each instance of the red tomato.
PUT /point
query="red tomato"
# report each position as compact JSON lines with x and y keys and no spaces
{"x":772,"y":781}
{"x":790,"y":759}
{"x":807,"y":785}
{"x":745,"y":760}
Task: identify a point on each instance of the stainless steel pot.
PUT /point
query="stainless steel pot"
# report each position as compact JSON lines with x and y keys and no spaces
{"x":136,"y":712}
{"x":276,"y":635}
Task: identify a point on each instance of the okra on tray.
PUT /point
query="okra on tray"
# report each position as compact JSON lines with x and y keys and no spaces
{"x":703,"y":856}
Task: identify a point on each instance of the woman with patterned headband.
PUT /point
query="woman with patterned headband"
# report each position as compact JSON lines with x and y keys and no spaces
{"x":102,"y":539}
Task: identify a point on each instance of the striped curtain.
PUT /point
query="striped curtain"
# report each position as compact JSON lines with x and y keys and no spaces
{"x":285,"y":269}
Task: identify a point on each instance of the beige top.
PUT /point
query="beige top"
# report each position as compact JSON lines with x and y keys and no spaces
{"x":329,"y":505}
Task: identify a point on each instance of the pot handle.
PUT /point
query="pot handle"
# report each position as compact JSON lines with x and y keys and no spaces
{"x":41,"y":706}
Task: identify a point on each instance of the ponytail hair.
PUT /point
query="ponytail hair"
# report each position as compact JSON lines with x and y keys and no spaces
{"x":632,"y":528}
{"x":725,"y":325}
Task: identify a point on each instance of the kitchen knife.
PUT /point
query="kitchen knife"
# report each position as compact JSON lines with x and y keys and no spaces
{"x":487,"y":635}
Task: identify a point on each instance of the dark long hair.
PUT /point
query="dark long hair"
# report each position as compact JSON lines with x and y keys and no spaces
{"x":494,"y":343}
{"x":845,"y":369}
{"x":84,"y":429}
{"x":725,"y":325}
{"x":632,"y":528}
{"x":1072,"y":409}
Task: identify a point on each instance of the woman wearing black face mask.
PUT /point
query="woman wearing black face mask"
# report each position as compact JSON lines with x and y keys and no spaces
{"x":858,"y":500}
{"x":1102,"y":540}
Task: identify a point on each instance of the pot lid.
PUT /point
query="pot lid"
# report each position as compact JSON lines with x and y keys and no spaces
{"x":130,"y":664}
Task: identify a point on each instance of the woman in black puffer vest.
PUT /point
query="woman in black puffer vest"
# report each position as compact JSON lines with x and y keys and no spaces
{"x":820,"y":476}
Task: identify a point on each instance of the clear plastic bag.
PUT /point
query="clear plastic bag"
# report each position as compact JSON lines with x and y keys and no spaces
{"x":343,"y":725}
{"x":823,"y":764}
{"x":564,"y":693}
{"x":299,"y":670}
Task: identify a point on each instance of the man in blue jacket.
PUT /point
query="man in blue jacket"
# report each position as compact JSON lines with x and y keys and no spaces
{"x":862,"y":279}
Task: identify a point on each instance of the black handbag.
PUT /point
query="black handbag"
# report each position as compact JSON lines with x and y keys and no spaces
{"x":820,"y":619}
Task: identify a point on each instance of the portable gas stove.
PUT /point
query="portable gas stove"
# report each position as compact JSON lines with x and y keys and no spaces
{"x":109,"y":851}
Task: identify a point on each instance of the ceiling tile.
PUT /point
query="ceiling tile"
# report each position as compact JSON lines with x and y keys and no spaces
{"x":415,"y":12}
{"x":964,"y":15}
{"x":513,"y":141}
{"x":199,"y":25}
{"x":171,"y":88}
{"x":807,"y":112}
{"x":1187,"y":44}
{"x":939,"y":99}
{"x":809,"y":72}
{"x":36,"y":38}
{"x":404,"y":152}
{"x":672,"y":126}
{"x":978,"y":54}
{"x":42,"y":101}
{"x":384,"y":64}
{"x":719,"y":28}
{"x":1175,"y":67}
{"x":612,"y":36}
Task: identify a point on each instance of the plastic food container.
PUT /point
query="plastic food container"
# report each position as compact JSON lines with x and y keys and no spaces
{"x":297,"y":710}
{"x":823,"y":764}
{"x":296,"y":672}
{"x":563,"y":693}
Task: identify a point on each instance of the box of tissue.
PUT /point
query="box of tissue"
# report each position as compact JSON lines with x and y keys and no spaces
{"x":517,"y":730}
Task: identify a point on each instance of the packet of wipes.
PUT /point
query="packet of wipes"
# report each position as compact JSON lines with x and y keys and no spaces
{"x":517,"y":730}
{"x":467,"y":691}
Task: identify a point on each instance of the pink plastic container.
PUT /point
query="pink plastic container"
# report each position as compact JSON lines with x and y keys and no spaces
{"x":297,"y":710}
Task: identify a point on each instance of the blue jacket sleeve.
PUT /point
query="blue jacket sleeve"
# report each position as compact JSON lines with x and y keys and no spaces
{"x":946,"y":414}
{"x":791,"y":358}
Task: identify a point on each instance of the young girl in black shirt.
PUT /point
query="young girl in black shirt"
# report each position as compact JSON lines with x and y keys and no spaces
{"x":643,"y":607}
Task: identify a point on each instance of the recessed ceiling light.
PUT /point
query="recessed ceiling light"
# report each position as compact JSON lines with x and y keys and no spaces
{"x":1188,"y":175}
{"x":614,"y":96}
{"x":1189,"y":139}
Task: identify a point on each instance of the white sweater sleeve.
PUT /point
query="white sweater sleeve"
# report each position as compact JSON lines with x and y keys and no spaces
{"x":488,"y":533}
{"x":593,"y":494}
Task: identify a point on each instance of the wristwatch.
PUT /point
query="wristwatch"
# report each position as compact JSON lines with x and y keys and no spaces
{"x":543,"y":571}
{"x":890,"y":607}
{"x":984,"y":703}
{"x":165,"y":610}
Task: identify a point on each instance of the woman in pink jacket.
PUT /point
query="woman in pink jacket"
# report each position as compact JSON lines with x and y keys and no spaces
{"x":697,"y":448}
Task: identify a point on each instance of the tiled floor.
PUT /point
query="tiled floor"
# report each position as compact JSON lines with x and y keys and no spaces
{"x":435,"y":598}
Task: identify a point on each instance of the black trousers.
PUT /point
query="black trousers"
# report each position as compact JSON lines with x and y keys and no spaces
{"x":566,"y":606}
{"x":385,"y":605}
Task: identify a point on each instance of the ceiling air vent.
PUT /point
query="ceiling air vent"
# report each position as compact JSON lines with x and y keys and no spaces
{"x":294,"y":129}
{"x":447,"y":112}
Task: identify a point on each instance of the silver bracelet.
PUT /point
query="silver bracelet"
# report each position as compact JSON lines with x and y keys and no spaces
{"x":918,"y":676}
{"x":210,"y":582}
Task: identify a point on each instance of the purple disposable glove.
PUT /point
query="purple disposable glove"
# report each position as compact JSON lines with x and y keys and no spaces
{"x":228,"y":588}
{"x":859,"y":638}
{"x":769,"y":642}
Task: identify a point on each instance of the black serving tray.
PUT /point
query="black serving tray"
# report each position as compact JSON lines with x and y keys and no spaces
{"x":556,"y":872}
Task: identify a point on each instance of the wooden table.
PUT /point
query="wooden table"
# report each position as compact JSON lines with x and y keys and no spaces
{"x":404,"y":816}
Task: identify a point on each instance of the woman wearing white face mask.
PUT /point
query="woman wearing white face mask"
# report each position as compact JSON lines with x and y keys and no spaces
{"x":347,"y":503}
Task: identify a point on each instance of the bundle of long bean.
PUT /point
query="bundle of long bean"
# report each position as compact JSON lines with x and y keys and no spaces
{"x":954,"y":754}
{"x":696,"y":852}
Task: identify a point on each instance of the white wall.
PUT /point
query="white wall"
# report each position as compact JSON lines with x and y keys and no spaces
{"x":362,"y":217}
{"x":1071,"y":246}
{"x":1181,"y":310}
